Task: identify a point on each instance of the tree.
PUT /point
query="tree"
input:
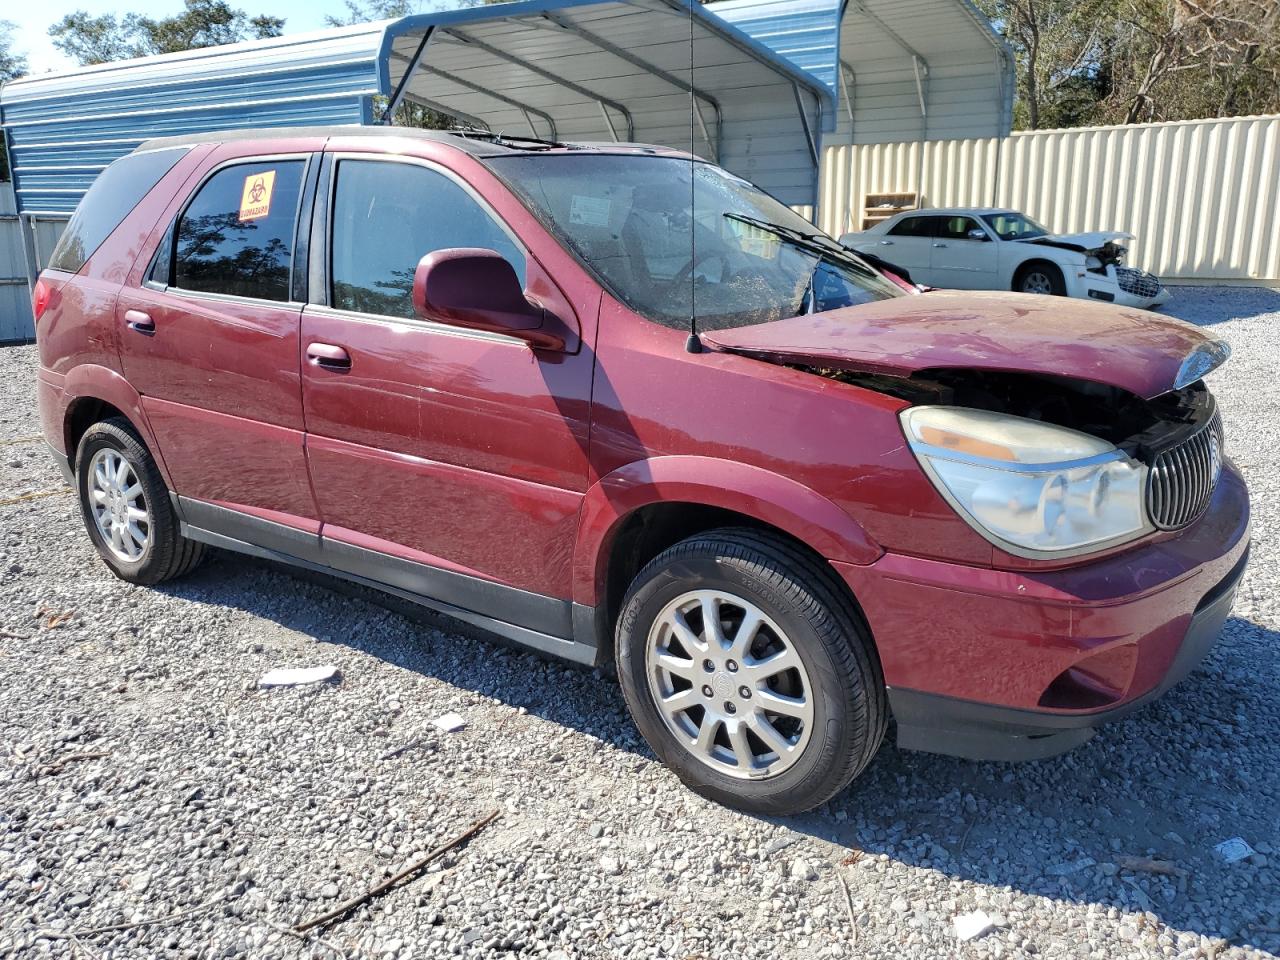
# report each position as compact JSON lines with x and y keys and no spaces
{"x":202,"y":23}
{"x":1056,"y":45}
{"x":12,"y":66}
{"x":1127,"y":61}
{"x":1179,"y":59}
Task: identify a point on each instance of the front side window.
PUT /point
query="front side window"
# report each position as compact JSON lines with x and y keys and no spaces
{"x":236,"y":237}
{"x":957,"y":228}
{"x":1014,"y":226}
{"x":115,"y":193}
{"x":386,"y":217}
{"x":670,"y":241}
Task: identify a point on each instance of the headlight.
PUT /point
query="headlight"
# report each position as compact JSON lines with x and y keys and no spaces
{"x":1031,"y":488}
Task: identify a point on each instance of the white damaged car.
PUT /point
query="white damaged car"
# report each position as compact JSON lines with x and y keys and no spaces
{"x":975,"y":248}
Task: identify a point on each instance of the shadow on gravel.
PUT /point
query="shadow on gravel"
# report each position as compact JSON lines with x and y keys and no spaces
{"x":1169,"y":782}
{"x":1206,"y":306}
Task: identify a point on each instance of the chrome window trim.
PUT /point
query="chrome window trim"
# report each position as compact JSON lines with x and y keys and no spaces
{"x":316,"y":309}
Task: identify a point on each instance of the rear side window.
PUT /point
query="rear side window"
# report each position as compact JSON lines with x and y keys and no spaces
{"x":236,"y":236}
{"x":914,"y":227}
{"x":387,"y":217}
{"x":115,"y":193}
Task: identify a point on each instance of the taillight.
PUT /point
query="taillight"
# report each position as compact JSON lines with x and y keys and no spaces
{"x":40,"y":299}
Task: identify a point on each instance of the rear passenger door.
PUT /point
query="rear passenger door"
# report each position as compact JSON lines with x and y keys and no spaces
{"x":210,"y":338}
{"x":908,"y":244}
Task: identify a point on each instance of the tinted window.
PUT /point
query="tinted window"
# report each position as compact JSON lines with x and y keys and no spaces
{"x":236,"y":236}
{"x":914,"y":227}
{"x":957,"y":228}
{"x":112,"y":197}
{"x":387,"y":217}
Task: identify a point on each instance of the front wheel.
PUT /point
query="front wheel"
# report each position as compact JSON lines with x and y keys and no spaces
{"x":749,"y":672}
{"x":126,"y":507}
{"x":1042,"y":278}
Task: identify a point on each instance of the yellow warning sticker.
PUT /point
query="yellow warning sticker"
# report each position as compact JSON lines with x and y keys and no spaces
{"x":255,"y":199}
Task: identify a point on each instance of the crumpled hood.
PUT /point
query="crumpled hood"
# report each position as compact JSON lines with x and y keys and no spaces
{"x":1084,"y":241}
{"x":1132,"y":349}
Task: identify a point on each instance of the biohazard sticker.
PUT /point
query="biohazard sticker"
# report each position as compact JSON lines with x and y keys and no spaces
{"x":255,"y":200}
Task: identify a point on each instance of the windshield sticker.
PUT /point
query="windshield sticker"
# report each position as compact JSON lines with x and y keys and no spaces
{"x":255,"y":198}
{"x":589,"y":211}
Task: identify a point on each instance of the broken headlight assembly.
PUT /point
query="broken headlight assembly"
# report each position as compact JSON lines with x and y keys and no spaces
{"x":1031,"y":488}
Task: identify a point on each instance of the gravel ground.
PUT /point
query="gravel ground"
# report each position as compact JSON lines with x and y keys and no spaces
{"x":146,"y":782}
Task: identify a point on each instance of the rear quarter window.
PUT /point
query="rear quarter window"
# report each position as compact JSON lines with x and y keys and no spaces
{"x":115,"y":193}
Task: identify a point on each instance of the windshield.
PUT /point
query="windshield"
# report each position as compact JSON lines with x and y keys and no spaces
{"x":627,"y":218}
{"x":1014,"y":226}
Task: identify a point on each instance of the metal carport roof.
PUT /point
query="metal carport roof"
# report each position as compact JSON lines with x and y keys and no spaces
{"x":563,"y":69}
{"x":902,"y":69}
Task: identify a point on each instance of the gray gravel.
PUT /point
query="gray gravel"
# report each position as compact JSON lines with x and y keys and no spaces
{"x":144,"y":776}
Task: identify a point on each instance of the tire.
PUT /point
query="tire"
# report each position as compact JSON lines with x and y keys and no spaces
{"x":163,"y":552}
{"x":802,"y":608}
{"x":1042,"y":277}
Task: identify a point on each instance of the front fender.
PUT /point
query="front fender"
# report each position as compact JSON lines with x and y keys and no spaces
{"x":769,"y":497}
{"x":95,"y":382}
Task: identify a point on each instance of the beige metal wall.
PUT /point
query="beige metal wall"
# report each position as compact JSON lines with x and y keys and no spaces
{"x":1201,"y":196}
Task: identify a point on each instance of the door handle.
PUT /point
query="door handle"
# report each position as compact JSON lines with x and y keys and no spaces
{"x":139,"y":322}
{"x":328,"y":355}
{"x":940,"y":245}
{"x":886,"y":243}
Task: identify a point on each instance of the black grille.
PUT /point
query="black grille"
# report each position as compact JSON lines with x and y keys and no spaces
{"x":1183,"y":477}
{"x":1138,"y":282}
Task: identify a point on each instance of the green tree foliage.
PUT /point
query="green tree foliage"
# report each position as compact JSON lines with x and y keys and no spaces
{"x":1129,"y":61}
{"x":202,"y":23}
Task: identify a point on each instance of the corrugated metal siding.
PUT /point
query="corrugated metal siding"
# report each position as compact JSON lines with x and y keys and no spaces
{"x":65,"y":129}
{"x":16,"y":321}
{"x":806,"y":32}
{"x":966,"y":70}
{"x":1202,"y":197}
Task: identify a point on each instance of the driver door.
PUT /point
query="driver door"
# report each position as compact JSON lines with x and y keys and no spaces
{"x":447,"y":462}
{"x":960,"y":260}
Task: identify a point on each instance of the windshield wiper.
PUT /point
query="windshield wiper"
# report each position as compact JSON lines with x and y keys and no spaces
{"x":818,"y":243}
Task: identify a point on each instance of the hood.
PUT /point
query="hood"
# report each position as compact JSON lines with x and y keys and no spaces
{"x":1143,"y":353}
{"x":1083,"y":242}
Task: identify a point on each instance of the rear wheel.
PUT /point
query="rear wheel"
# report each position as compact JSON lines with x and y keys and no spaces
{"x":126,"y":508}
{"x":749,"y":672}
{"x":1040,"y":277}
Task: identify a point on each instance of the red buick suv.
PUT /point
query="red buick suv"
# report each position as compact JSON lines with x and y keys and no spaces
{"x":459,"y":368}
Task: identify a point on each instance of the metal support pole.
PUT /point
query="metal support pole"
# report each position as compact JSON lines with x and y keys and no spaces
{"x":403,"y":86}
{"x":545,"y":74}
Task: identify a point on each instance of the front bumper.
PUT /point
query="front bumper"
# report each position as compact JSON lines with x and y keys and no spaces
{"x":1008,"y":665}
{"x":1142,"y":290}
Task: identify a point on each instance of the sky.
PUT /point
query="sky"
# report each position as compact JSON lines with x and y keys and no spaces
{"x":33,"y":20}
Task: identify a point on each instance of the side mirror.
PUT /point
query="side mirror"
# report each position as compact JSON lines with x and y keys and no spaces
{"x":479,"y":290}
{"x":977,"y":233}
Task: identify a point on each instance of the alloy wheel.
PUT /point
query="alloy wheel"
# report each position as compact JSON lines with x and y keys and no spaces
{"x":118,"y":505}
{"x":729,"y":684}
{"x":1037,"y":282}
